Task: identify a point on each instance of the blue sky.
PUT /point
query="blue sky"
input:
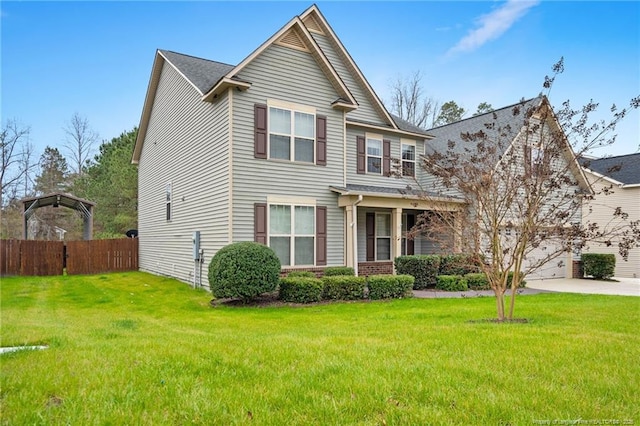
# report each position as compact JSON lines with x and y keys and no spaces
{"x":95,"y":58}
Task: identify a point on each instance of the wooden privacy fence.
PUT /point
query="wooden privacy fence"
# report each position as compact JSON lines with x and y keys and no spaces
{"x":29,"y":257}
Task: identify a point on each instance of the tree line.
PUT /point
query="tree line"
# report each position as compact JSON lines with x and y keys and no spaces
{"x":105,"y":177}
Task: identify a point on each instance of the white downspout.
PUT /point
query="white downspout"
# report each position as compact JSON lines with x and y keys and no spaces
{"x":354,"y":230}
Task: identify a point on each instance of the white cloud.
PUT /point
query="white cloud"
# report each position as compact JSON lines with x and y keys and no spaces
{"x":493,"y":25}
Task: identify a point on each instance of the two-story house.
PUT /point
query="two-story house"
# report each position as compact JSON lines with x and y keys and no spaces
{"x":291,"y":148}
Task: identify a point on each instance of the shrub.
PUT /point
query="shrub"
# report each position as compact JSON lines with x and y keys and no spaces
{"x":243,"y":270}
{"x":300,"y":289}
{"x":523,"y":283}
{"x":477,"y":281}
{"x":343,"y":287}
{"x":390,"y":286}
{"x":301,"y":274}
{"x":458,"y":264}
{"x":424,"y":268}
{"x":600,"y":266}
{"x":332,"y":271}
{"x":451,"y":283}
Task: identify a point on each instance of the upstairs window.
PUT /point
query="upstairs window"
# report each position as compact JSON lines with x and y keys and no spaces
{"x":374,"y":156}
{"x":534,"y":158}
{"x":291,"y":135}
{"x":408,"y":159}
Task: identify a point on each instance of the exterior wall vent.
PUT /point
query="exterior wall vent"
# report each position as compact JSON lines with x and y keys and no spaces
{"x":312,"y":24}
{"x":293,"y":40}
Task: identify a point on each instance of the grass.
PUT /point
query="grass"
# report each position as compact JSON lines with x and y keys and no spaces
{"x":139,"y":349}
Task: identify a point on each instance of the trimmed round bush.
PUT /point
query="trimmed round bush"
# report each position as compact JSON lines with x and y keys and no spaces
{"x":300,"y":289}
{"x":451,"y":283}
{"x":333,"y":271}
{"x":243,"y":271}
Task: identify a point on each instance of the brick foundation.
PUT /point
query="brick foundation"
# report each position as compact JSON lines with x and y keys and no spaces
{"x":578,"y":269}
{"x":374,"y":268}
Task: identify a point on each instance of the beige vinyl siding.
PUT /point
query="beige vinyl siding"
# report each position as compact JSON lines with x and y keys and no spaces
{"x":602,"y":209}
{"x":366,"y":110}
{"x":187,"y":145}
{"x":288,"y":75}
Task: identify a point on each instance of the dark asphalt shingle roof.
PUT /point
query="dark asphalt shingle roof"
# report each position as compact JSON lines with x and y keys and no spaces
{"x":382,"y":190}
{"x":502,"y":118}
{"x":407,"y":126}
{"x":623,"y":168}
{"x":203,"y":73}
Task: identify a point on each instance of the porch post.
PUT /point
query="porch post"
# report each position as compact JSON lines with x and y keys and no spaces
{"x":349,"y":234}
{"x":396,"y":234}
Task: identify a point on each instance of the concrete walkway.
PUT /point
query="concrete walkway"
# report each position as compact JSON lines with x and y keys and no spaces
{"x":621,"y":287}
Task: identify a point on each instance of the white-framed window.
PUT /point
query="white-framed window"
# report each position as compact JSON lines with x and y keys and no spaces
{"x":292,"y":132}
{"x":374,"y":155}
{"x":383,"y":236}
{"x":408,"y":158}
{"x":534,"y":158}
{"x":292,"y":233}
{"x":168,"y":196}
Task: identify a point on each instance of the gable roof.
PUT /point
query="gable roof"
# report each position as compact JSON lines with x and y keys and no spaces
{"x":314,"y":18}
{"x":493,"y":123}
{"x":623,"y":169}
{"x":295,"y":30}
{"x":201,"y":73}
{"x":502,"y":117}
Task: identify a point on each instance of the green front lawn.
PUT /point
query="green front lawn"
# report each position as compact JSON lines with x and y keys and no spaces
{"x":139,"y":349}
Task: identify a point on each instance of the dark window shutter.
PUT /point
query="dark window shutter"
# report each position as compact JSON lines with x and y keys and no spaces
{"x":260,"y":223}
{"x":260,"y":131}
{"x":321,"y":235}
{"x":362,"y":154}
{"x":386,"y":157}
{"x":321,"y":140}
{"x":411,"y":222}
{"x":371,"y":237}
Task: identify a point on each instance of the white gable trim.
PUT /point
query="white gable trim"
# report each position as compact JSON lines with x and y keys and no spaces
{"x":180,"y":72}
{"x":316,"y":52}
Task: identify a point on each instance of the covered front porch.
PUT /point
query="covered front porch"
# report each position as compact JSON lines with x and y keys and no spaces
{"x":380,"y":226}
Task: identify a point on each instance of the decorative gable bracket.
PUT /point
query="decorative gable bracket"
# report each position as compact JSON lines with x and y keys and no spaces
{"x":223,"y":85}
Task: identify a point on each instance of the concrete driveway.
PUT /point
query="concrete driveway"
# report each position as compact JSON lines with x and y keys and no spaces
{"x":621,"y":286}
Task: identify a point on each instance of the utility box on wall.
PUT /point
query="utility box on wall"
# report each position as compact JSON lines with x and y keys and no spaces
{"x":196,"y":245}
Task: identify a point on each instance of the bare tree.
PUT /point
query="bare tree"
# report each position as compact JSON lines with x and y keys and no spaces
{"x":522,"y":189}
{"x":410,"y":103}
{"x":79,"y":142}
{"x":14,"y":141}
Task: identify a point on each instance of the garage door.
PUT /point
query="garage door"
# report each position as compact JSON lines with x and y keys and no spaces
{"x":554,"y":268}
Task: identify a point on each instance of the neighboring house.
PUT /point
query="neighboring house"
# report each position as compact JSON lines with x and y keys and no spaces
{"x":291,"y":148}
{"x":620,"y":175}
